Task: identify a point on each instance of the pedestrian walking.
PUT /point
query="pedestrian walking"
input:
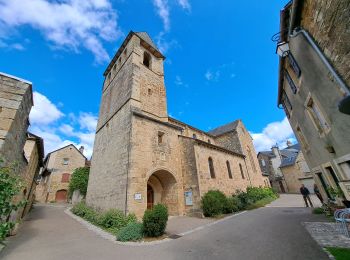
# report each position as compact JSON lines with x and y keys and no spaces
{"x":306,"y":195}
{"x":318,"y":193}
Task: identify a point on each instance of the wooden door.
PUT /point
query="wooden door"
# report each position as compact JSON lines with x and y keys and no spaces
{"x":61,"y":196}
{"x":150,"y":197}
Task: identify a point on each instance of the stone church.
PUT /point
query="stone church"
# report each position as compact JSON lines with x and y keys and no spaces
{"x":142,"y":156}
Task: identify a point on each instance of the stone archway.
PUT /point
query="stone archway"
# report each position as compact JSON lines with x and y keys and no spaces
{"x":164,"y":190}
{"x":61,"y":196}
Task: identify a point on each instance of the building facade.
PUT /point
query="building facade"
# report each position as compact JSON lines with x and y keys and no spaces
{"x":16,"y":101}
{"x":313,"y":78}
{"x":58,"y":168}
{"x":142,"y":156}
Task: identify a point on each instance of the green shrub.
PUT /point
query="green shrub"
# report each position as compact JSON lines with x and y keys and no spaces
{"x":253,"y":195}
{"x":155,"y":220}
{"x":130,"y":218}
{"x":231,"y":205}
{"x":79,"y":181}
{"x":113,"y":218}
{"x":213,"y":203}
{"x":131,"y":232}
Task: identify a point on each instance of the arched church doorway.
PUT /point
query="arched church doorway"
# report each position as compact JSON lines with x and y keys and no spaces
{"x":163,"y":188}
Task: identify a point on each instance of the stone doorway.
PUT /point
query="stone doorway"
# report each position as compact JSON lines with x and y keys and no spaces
{"x":61,"y":196}
{"x":163,"y":188}
{"x":150,"y":197}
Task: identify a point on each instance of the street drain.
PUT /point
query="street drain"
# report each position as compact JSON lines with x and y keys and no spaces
{"x":174,"y":236}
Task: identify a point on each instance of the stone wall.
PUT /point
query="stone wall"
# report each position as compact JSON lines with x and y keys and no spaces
{"x":15,"y":104}
{"x":110,"y":163}
{"x":149,"y":156}
{"x":328,"y":23}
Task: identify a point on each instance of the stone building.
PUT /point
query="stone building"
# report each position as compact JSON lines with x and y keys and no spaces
{"x":314,"y":77}
{"x":34,"y":155}
{"x":295,"y":172}
{"x":16,"y":101}
{"x":142,"y":156}
{"x":58,"y":167}
{"x":17,"y":146}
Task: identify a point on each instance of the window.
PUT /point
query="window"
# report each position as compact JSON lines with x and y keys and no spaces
{"x":334,"y":176}
{"x":241,"y":169}
{"x":302,"y":139}
{"x":263,"y":162}
{"x":294,"y":65}
{"x":194,"y":136}
{"x":160,"y":137}
{"x":65,"y":161}
{"x":209,"y":141}
{"x":290,"y":82}
{"x":109,"y":77}
{"x":147,"y":59}
{"x":316,"y":116}
{"x":211,"y":168}
{"x":229,"y":169}
{"x":149,"y":91}
{"x":345,"y":166}
{"x":125,"y":51}
{"x":114,"y":67}
{"x":65,"y":177}
{"x":286,"y":104}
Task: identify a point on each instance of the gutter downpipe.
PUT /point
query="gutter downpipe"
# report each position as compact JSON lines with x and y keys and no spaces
{"x":343,"y":88}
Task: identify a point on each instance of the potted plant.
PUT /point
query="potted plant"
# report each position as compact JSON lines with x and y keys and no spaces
{"x":338,"y":193}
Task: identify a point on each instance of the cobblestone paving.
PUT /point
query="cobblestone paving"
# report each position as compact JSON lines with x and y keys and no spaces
{"x":327,"y":234}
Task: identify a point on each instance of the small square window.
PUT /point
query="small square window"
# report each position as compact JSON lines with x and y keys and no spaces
{"x":149,"y":91}
{"x":194,"y":136}
{"x":65,"y":161}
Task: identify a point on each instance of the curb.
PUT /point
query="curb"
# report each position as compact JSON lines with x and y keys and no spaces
{"x":104,"y":234}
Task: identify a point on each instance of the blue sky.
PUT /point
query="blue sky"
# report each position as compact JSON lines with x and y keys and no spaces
{"x":221,"y":64}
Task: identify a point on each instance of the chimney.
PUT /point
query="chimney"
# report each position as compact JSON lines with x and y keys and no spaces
{"x":289,"y":143}
{"x":81,"y":149}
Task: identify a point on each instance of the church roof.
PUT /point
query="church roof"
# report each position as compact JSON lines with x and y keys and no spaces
{"x":144,"y":36}
{"x":288,"y":161}
{"x":225,"y":128}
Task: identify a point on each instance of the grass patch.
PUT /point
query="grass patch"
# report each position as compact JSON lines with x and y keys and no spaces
{"x":339,"y":253}
{"x":261,"y":203}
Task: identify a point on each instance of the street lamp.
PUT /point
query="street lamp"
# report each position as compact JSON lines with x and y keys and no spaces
{"x":344,"y":105}
{"x":282,"y":49}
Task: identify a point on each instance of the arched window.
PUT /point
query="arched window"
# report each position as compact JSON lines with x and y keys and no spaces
{"x":194,"y":136}
{"x":241,"y":169}
{"x":147,"y":59}
{"x":209,"y":141}
{"x":211,"y":168}
{"x":229,"y":169}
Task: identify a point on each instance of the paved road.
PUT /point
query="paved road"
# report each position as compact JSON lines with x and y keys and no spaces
{"x":265,"y":233}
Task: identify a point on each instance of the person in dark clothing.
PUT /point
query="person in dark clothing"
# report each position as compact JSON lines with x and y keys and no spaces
{"x":306,"y":195}
{"x":318,"y":193}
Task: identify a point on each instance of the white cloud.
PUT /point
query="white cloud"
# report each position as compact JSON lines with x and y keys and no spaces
{"x":68,"y":24}
{"x":43,"y":112}
{"x":58,"y":131}
{"x":185,"y":4}
{"x":88,"y":121}
{"x":274,"y":133}
{"x":212,"y":76}
{"x":178,"y":81}
{"x":163,"y":11}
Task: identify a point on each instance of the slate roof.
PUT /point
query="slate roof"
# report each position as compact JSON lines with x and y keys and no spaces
{"x":288,"y":161}
{"x":268,"y":153}
{"x":225,"y":128}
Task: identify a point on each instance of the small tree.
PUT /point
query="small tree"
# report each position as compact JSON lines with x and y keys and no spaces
{"x":10,"y":186}
{"x":79,"y":181}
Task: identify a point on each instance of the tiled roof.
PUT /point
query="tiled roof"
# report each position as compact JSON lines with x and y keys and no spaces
{"x":225,"y":128}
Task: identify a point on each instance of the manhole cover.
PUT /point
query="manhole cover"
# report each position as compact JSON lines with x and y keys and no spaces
{"x":174,"y":236}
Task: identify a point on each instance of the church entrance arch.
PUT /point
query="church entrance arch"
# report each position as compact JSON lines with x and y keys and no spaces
{"x":163,"y":188}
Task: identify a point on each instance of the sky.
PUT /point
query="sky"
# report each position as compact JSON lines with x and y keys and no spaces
{"x":220,"y":62}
